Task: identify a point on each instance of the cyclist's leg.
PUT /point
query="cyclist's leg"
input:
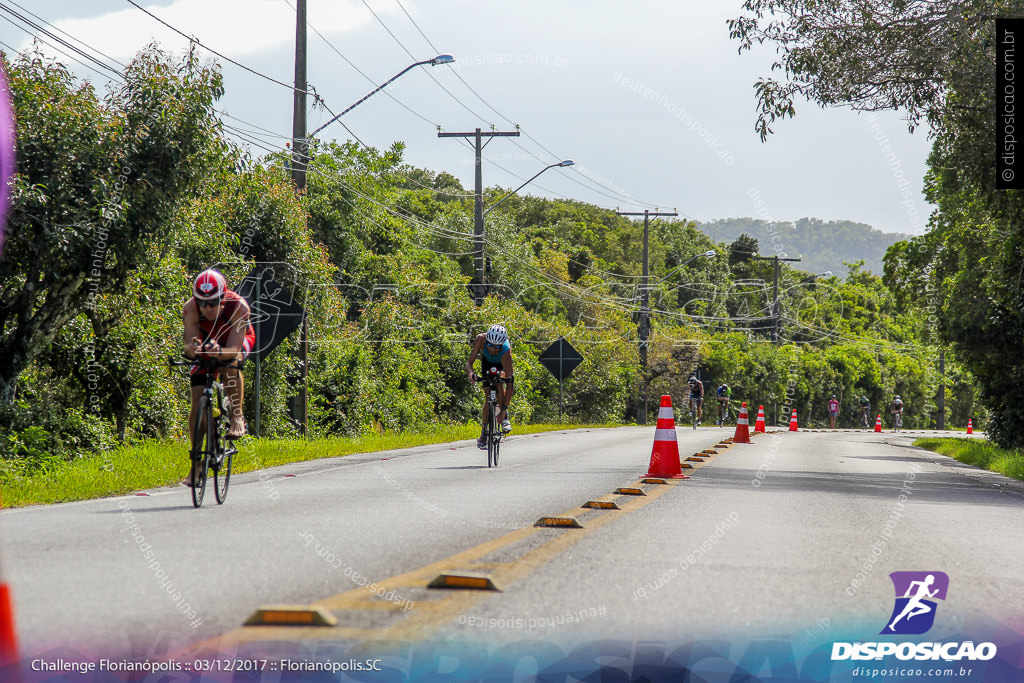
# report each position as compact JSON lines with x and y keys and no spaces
{"x":700,"y":408}
{"x":502,"y":403}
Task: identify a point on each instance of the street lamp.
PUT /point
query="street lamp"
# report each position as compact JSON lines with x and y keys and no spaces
{"x":710,"y":253}
{"x":566,"y":162}
{"x":480,"y":287}
{"x":440,"y":59}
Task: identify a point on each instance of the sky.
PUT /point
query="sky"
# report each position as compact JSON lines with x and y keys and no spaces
{"x":650,"y":99}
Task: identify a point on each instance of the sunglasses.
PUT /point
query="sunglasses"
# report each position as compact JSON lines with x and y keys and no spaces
{"x":209,"y":304}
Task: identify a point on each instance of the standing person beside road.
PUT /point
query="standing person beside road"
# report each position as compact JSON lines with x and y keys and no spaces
{"x":833,"y":411}
{"x":495,"y":357}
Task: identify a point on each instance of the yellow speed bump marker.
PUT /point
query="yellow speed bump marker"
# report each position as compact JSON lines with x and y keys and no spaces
{"x":653,"y":480}
{"x":464,"y":580}
{"x":695,"y":458}
{"x":291,"y":615}
{"x":601,"y":505}
{"x":628,"y":491}
{"x":709,"y":451}
{"x":566,"y":522}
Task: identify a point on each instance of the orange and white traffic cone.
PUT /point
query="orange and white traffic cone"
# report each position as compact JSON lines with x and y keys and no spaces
{"x":759,"y":426}
{"x":792,"y":422}
{"x":665,"y":454}
{"x":8,"y":640}
{"x":742,"y":426}
{"x":878,"y":423}
{"x":970,"y":426}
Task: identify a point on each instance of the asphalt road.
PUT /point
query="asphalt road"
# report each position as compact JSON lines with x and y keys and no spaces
{"x":791,"y":537}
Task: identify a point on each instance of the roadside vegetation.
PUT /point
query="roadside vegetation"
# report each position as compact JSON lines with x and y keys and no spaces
{"x":151,"y":464}
{"x":983,"y":454}
{"x":120,"y":199}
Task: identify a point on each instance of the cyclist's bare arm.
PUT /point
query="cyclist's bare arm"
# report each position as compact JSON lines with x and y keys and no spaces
{"x":478,"y":346}
{"x":193,"y":336}
{"x":239,"y":325}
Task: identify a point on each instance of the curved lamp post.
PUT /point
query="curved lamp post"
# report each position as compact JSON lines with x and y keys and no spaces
{"x":710,"y":253}
{"x":566,"y":162}
{"x":481,"y":287}
{"x":440,"y":59}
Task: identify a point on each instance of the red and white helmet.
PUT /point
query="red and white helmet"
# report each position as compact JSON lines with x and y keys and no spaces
{"x":209,"y":285}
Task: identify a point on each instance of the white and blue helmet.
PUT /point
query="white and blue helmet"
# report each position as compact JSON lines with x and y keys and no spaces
{"x":497,"y":335}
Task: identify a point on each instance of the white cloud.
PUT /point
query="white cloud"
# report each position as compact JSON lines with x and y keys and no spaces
{"x":235,"y":28}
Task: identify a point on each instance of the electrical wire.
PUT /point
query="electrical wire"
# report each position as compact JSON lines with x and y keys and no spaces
{"x":193,"y":39}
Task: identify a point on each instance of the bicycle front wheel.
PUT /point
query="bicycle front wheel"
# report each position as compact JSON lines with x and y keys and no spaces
{"x":201,"y":445}
{"x":493,"y":440}
{"x":222,"y":473}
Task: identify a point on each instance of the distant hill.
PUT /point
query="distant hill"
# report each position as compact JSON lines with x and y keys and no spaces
{"x":822,"y":245}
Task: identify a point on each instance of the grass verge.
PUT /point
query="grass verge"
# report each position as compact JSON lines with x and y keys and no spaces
{"x":978,"y":453}
{"x":153,"y":464}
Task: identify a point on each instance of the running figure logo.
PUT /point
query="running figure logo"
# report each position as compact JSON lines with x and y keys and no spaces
{"x":916,"y":592}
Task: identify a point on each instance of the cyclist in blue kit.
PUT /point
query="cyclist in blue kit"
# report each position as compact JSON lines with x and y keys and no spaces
{"x":495,"y":357}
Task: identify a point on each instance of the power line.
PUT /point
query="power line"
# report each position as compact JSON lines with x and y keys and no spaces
{"x":193,"y":39}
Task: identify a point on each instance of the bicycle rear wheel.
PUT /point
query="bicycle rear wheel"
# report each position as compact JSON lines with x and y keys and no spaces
{"x":200,"y":451}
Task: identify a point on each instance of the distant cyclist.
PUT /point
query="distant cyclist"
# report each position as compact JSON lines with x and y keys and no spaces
{"x":724,"y":393}
{"x":896,"y":407}
{"x":865,"y":411}
{"x":833,"y":411}
{"x":695,"y":391}
{"x":495,"y":352}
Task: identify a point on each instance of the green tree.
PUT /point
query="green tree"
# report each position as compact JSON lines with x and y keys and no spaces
{"x":98,"y":185}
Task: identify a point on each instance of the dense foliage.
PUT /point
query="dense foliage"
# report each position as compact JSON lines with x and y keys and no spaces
{"x":934,"y":61}
{"x":379,"y":255}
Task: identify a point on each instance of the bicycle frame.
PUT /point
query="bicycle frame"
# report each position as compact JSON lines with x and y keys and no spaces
{"x":210,"y":448}
{"x":493,"y":433}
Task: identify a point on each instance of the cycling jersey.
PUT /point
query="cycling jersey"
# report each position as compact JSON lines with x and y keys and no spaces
{"x":897,"y":405}
{"x":697,"y":389}
{"x":488,"y":357}
{"x":220,"y":329}
{"x":833,"y":406}
{"x":724,"y":392}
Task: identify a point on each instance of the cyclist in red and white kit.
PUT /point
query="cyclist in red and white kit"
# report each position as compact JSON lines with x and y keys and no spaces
{"x":217,"y":326}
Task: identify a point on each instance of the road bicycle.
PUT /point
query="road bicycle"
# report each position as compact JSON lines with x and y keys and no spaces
{"x":723,"y":412}
{"x":693,"y":411}
{"x":211,"y":449}
{"x":897,"y":420}
{"x":492,"y":429}
{"x":865,"y":417}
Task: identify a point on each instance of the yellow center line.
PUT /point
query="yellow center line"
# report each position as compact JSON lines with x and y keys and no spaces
{"x":444,"y":605}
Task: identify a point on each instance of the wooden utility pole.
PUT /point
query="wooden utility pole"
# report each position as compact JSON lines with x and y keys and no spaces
{"x":645,"y":310}
{"x":300,"y":145}
{"x":478,"y":209}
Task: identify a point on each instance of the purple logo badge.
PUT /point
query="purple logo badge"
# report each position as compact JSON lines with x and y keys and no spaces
{"x":916,"y":595}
